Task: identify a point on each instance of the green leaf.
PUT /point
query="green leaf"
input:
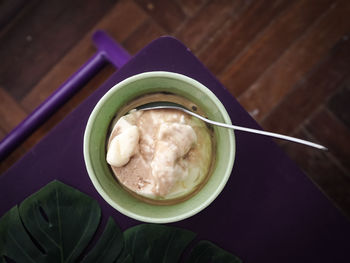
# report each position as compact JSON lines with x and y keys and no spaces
{"x":61,"y":219}
{"x":15,"y":243}
{"x":207,"y":252}
{"x":156,"y":243}
{"x":124,"y":259}
{"x":109,"y":245}
{"x":55,"y":224}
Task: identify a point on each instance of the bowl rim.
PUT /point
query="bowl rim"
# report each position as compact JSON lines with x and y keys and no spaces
{"x":88,"y":130}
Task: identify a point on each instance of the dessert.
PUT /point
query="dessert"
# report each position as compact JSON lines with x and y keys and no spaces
{"x":160,"y":154}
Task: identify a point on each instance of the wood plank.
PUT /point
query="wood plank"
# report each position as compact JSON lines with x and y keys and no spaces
{"x":330,"y":132}
{"x":57,"y":117}
{"x":318,"y":165}
{"x":10,"y":9}
{"x":305,"y":98}
{"x":241,"y":31}
{"x":200,"y":29}
{"x":2,"y":134}
{"x":144,"y":34}
{"x":339,"y":103}
{"x":41,"y":36}
{"x":279,"y":79}
{"x":167,"y":14}
{"x":119,"y":23}
{"x":11,"y":114}
{"x":271,"y":44}
{"x":191,"y":7}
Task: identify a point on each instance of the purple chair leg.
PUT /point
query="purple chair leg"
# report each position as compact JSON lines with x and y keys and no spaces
{"x":107,"y":51}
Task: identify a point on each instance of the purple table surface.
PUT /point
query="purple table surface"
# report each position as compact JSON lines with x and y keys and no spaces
{"x":269,"y":210}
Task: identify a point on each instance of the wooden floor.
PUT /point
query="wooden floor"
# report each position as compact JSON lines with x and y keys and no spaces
{"x":287,"y":62}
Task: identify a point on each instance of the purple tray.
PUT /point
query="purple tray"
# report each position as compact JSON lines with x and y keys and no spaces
{"x":268,"y":212}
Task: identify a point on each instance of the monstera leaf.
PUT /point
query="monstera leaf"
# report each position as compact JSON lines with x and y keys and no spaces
{"x":57,"y":223}
{"x":156,"y":243}
{"x":207,"y":252}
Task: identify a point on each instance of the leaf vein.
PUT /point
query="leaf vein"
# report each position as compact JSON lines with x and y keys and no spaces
{"x":24,"y":252}
{"x":59,"y":225}
{"x":46,"y":234}
{"x":82,"y":236}
{"x":168,"y":247}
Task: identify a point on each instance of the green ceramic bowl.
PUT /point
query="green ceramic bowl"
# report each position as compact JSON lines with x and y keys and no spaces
{"x":97,"y":131}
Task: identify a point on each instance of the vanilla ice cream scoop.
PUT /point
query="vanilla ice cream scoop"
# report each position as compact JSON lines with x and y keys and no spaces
{"x":124,"y":145}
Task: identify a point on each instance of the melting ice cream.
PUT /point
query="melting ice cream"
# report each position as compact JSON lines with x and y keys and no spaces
{"x":159,"y":153}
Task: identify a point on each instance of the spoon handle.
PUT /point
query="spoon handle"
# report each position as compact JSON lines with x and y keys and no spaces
{"x":271,"y":134}
{"x":170,"y":105}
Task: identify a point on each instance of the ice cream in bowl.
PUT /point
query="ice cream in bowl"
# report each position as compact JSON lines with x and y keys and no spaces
{"x":159,"y":165}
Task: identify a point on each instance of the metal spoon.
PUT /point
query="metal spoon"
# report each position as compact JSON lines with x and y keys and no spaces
{"x":175,"y":106}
